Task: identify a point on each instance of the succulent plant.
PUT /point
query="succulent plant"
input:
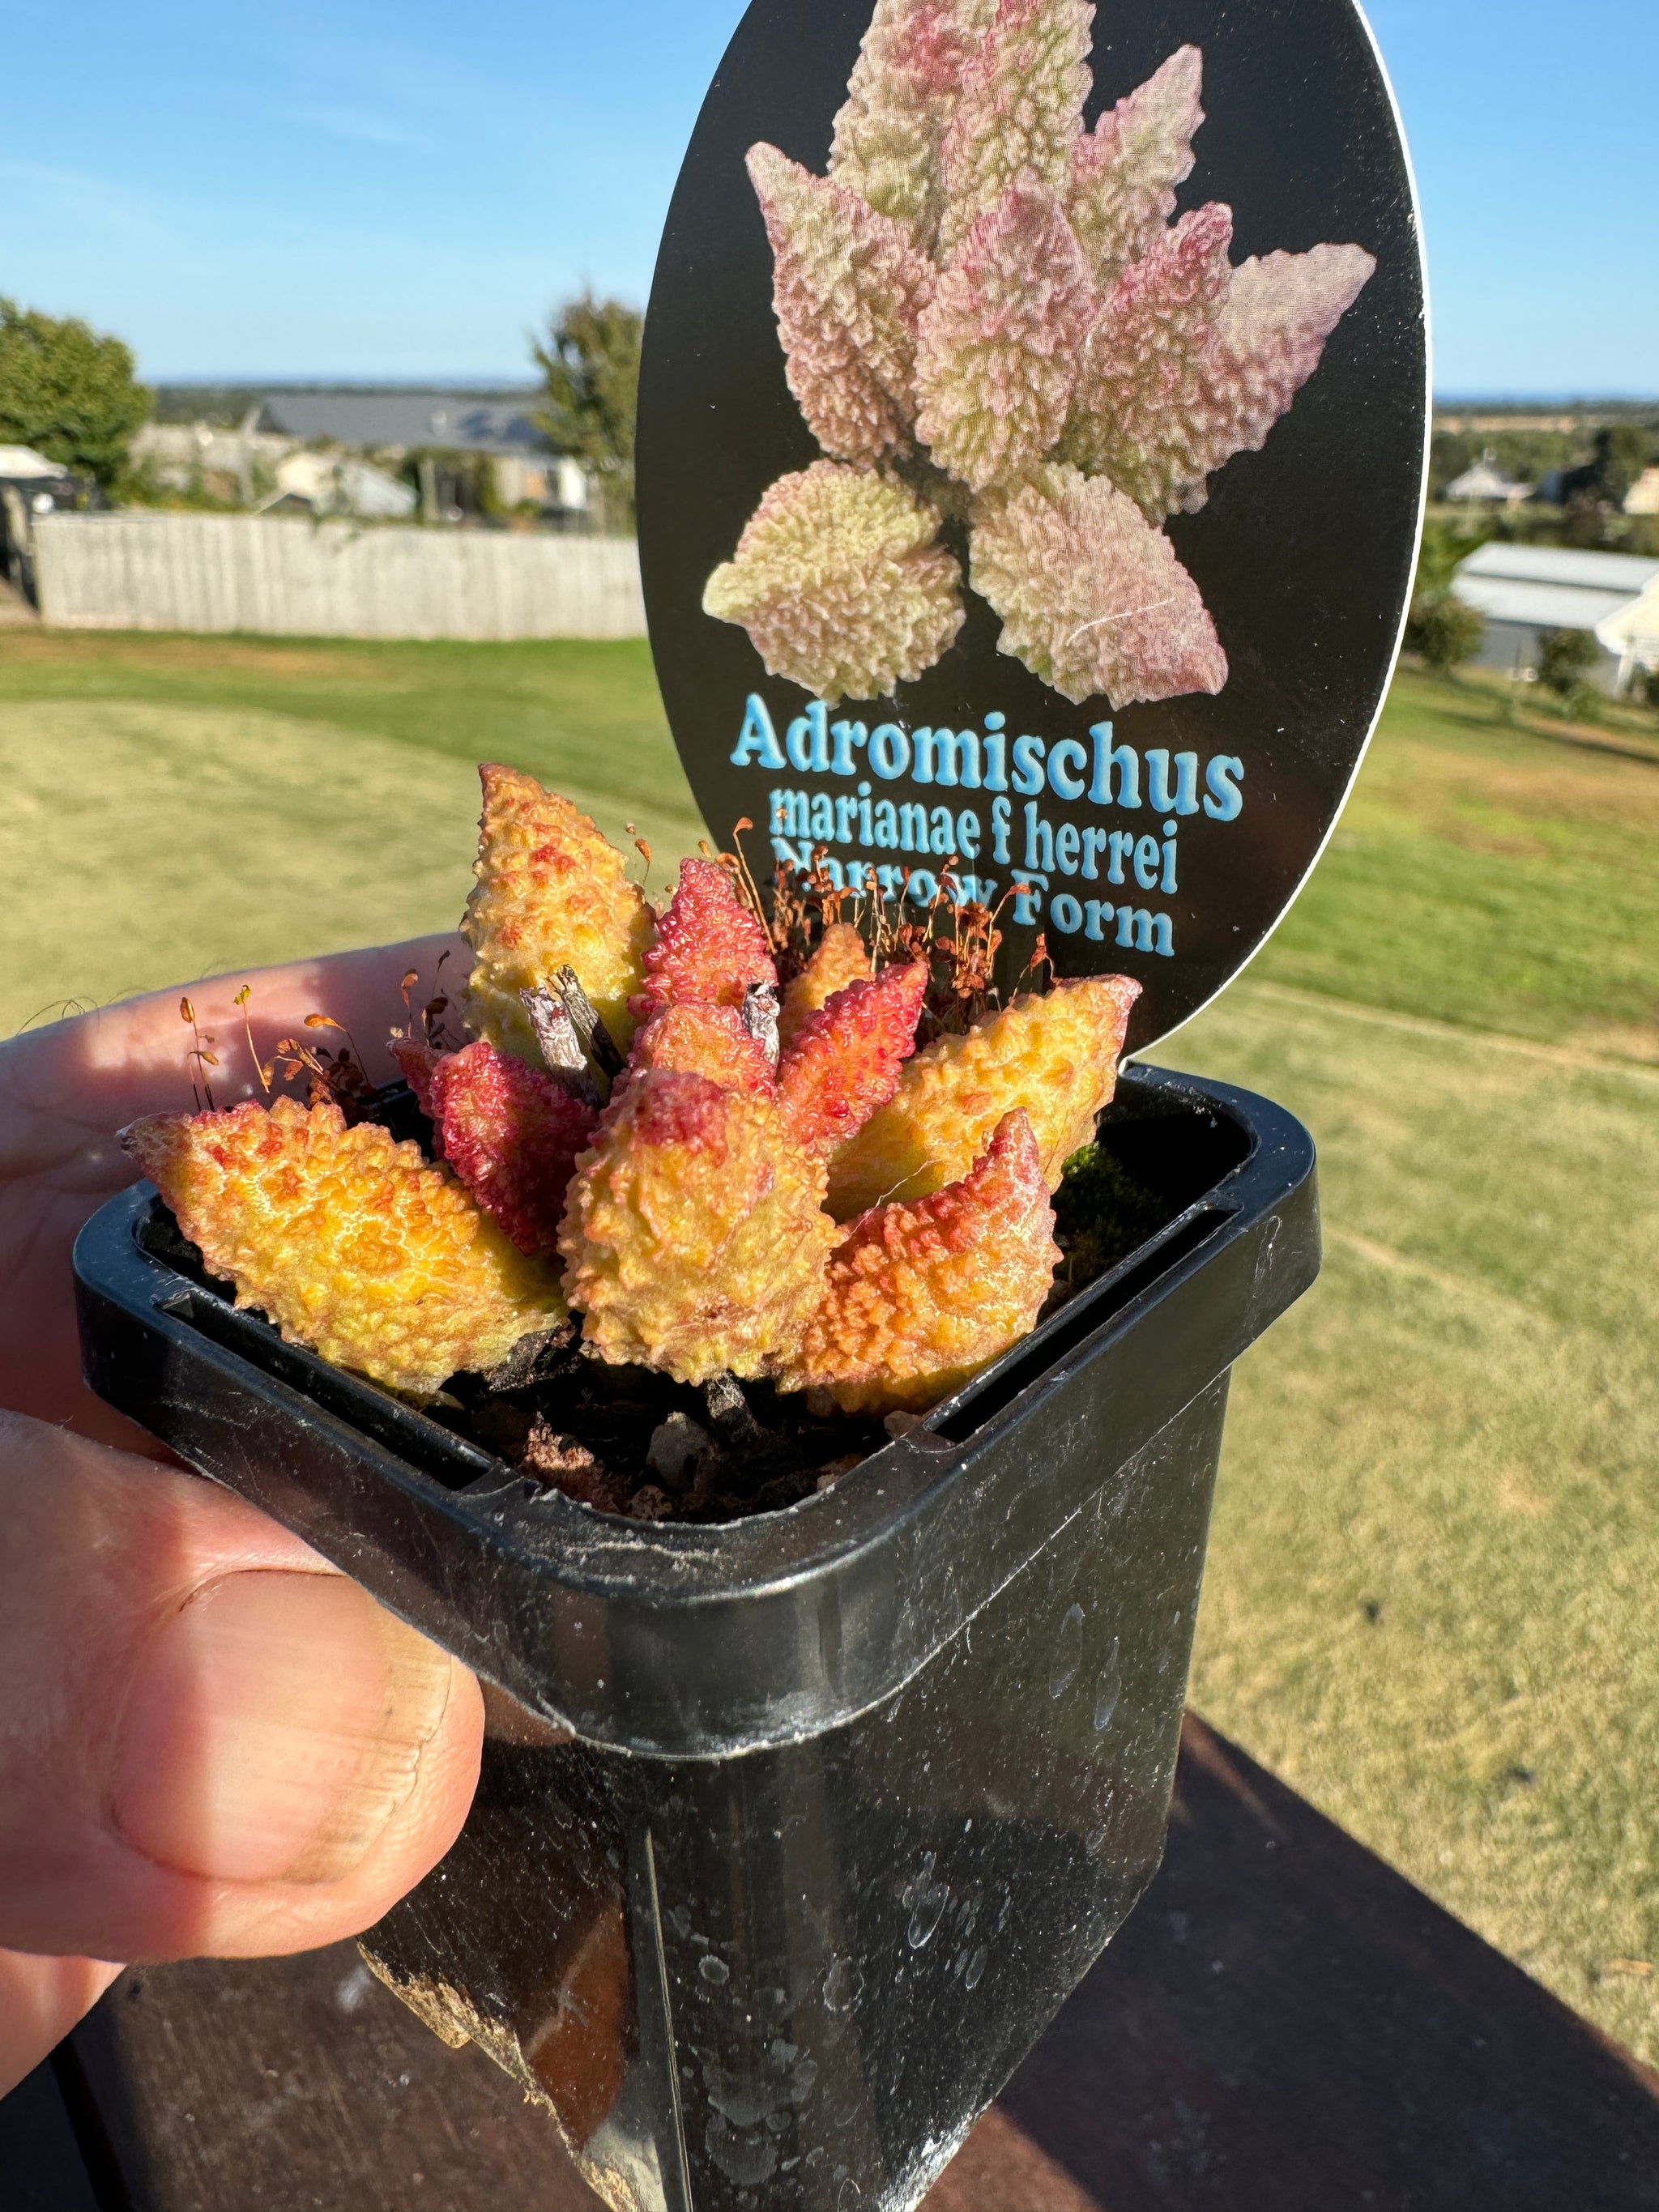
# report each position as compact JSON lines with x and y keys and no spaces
{"x":808,"y":1200}
{"x":990,"y":318}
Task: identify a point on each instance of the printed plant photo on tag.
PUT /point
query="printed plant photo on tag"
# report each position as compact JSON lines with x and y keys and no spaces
{"x":1034,"y":405}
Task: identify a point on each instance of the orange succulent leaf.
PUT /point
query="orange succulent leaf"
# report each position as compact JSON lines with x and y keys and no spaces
{"x":709,"y":1041}
{"x":845,"y":1059}
{"x":351,"y":1243}
{"x":840,"y":958}
{"x":919,"y":1296}
{"x":709,"y":947}
{"x":417,"y":1062}
{"x":551,"y":892}
{"x":510,"y":1133}
{"x":694,"y":1233}
{"x":1054,"y":1054}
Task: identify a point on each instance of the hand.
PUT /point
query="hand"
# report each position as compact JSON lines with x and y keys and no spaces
{"x":210,"y":1742}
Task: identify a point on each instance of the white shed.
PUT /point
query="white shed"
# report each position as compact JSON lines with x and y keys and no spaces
{"x":1524,"y":590}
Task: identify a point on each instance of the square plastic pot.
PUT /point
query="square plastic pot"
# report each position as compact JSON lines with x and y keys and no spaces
{"x":794,"y":1833}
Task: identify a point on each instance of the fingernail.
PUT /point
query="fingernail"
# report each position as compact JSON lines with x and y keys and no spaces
{"x":273,"y":1727}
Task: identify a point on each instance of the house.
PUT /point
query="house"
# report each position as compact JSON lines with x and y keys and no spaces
{"x":1523,"y":591}
{"x":1642,"y":497}
{"x":395,"y":420}
{"x":1487,"y":483}
{"x":1633,"y":635}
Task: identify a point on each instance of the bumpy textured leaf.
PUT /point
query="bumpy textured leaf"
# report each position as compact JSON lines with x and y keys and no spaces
{"x":1092,"y":598}
{"x":708,"y":948}
{"x":901,"y":94}
{"x":1055,"y":1055}
{"x":510,"y":1133}
{"x":1132,"y":415}
{"x":693,"y":1231}
{"x":1020,"y":110}
{"x":843,"y":1061}
{"x":847,"y":287}
{"x":840,"y":956}
{"x":1001,"y":339}
{"x":551,"y":892}
{"x":921,"y":1296}
{"x":351,"y":1243}
{"x":1269,"y":336}
{"x":839,"y":584}
{"x":1124,"y":172}
{"x":709,"y":1041}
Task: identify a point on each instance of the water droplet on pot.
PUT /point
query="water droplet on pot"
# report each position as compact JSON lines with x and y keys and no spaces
{"x":842,"y":1983}
{"x":1108,"y":1689}
{"x":974,"y":1968}
{"x":713,"y":1969}
{"x":1069,"y":1655}
{"x":926,"y":1899}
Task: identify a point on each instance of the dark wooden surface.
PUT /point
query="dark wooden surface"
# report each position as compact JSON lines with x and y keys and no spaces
{"x":1284,"y":2026}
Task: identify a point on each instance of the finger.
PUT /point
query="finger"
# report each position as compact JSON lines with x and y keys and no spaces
{"x":66,"y":1089}
{"x":209,"y":1742}
{"x":40,"y":2000}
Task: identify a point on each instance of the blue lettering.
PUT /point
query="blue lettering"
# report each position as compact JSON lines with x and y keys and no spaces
{"x":1063,"y":780}
{"x":1028,"y":765}
{"x":1223,"y":777}
{"x":847,"y":735}
{"x":807,"y":740}
{"x":757,"y":740}
{"x":890,"y":751}
{"x":1066,"y":913}
{"x":1109,"y":756}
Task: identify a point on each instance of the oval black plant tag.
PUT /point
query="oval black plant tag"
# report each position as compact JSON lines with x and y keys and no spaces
{"x":1030,"y":457}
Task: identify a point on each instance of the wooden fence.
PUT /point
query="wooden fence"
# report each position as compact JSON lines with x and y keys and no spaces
{"x":289,"y":577}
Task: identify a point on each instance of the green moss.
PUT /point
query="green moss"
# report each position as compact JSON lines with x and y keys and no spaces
{"x":1101,"y":1215}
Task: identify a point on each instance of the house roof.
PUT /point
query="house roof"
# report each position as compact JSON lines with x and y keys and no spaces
{"x":1483,"y":481}
{"x":479,"y":422}
{"x":1563,"y":564}
{"x":1552,"y":587}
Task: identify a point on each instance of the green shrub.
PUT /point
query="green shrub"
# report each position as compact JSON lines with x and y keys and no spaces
{"x":1446,"y":631}
{"x":1565,"y":657}
{"x":67,"y":392}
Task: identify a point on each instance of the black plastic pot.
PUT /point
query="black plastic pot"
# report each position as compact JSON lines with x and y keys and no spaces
{"x":794,"y":1833}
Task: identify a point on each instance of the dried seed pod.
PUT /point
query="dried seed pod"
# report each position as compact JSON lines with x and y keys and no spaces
{"x":708,"y":950}
{"x":551,"y":892}
{"x":1055,"y":1055}
{"x":842,"y":955}
{"x":919,"y":1298}
{"x":352,"y":1243}
{"x":844,"y":1060}
{"x":693,"y":1230}
{"x":511,"y":1134}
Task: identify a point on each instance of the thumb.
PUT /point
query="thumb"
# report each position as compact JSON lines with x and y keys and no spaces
{"x":209,"y":1742}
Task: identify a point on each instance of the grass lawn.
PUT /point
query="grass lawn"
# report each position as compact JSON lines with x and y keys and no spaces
{"x":1430,"y":1595}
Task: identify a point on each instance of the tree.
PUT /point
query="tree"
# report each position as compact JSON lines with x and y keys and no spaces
{"x":1565,"y":657}
{"x":68,"y":392}
{"x":591,"y":362}
{"x":1446,"y":632}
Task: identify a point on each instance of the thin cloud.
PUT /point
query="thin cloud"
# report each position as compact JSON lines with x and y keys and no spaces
{"x":360,"y":128}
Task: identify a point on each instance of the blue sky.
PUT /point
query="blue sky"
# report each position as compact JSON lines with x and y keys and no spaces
{"x":362,"y":189}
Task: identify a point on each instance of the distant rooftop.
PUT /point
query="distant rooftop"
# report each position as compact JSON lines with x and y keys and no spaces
{"x":1552,"y":587}
{"x":472,"y":422}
